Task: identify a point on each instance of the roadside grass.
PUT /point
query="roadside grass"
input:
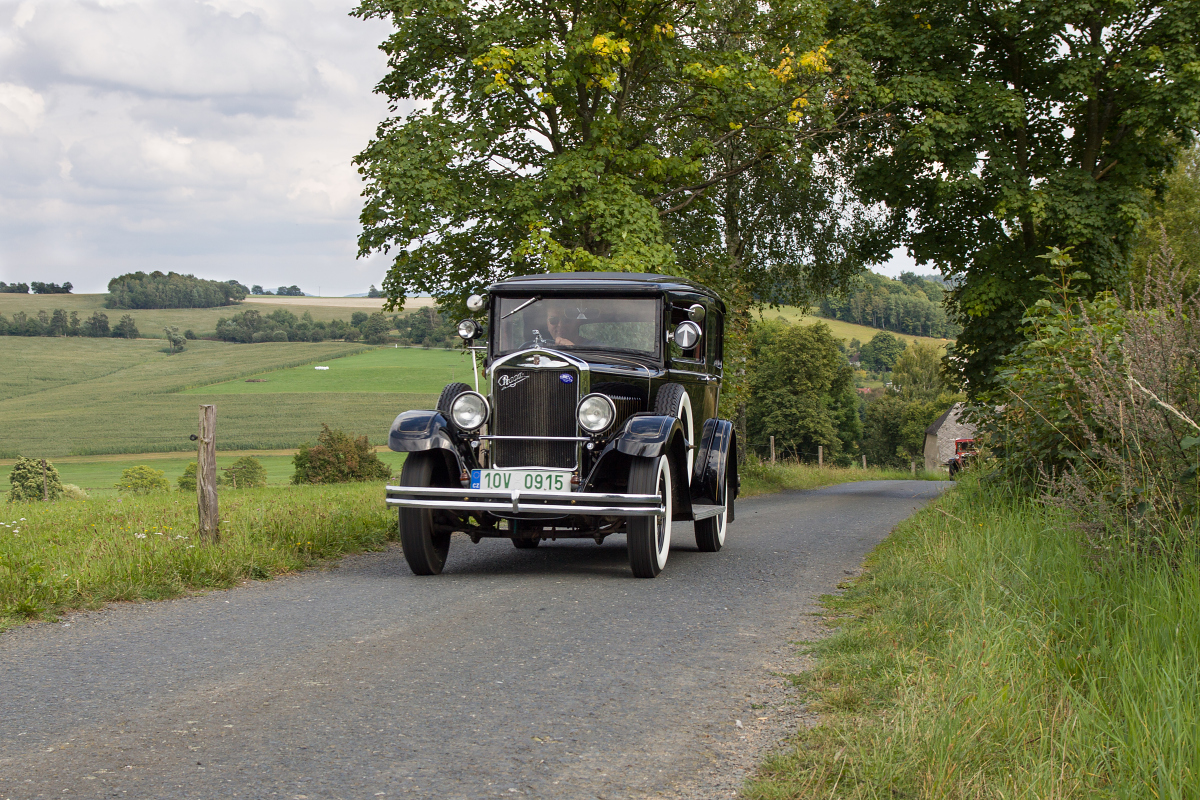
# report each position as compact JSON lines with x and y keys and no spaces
{"x":79,"y":555}
{"x":98,"y":474}
{"x":385,"y":369}
{"x":764,"y":478}
{"x":120,"y":407}
{"x":986,"y":652}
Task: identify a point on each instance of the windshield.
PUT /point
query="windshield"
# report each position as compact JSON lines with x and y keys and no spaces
{"x":577,"y":323}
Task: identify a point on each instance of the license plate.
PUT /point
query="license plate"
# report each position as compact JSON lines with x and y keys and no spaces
{"x":525,"y":480}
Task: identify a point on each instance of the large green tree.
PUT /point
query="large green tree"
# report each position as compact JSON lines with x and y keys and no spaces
{"x":1020,"y":125}
{"x":610,"y":134}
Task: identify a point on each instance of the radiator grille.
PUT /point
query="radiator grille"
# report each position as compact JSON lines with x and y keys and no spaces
{"x":537,"y":404}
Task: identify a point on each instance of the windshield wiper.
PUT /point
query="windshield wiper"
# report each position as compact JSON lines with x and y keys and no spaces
{"x":528,"y":302}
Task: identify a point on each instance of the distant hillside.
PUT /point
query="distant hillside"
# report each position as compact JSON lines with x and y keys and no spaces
{"x":912,"y":305}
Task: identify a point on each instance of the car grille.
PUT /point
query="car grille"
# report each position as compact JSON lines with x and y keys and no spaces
{"x":538,"y":404}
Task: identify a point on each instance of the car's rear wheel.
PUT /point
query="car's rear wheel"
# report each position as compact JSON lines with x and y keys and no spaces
{"x":710,"y":532}
{"x":425,"y":550}
{"x":650,"y":537}
{"x":526,"y":544}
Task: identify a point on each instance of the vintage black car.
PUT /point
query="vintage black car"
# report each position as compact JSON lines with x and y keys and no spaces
{"x":598,"y":415}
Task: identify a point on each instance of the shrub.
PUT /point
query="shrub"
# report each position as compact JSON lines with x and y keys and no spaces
{"x":28,"y":481}
{"x":245,"y":473}
{"x":189,"y":334}
{"x":1098,"y":405}
{"x":72,"y":492}
{"x":125,"y":329}
{"x":338,"y":457}
{"x":187,"y":481}
{"x":143,"y":480}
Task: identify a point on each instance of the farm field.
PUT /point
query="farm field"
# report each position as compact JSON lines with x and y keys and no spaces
{"x":385,"y":369}
{"x":844,"y":330}
{"x":128,"y":400}
{"x":203,"y":321}
{"x":99,"y":474}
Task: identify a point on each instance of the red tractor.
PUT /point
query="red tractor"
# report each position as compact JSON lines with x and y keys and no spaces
{"x":964,"y":451}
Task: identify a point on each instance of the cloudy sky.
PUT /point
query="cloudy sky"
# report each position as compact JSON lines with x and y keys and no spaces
{"x":212,"y":138}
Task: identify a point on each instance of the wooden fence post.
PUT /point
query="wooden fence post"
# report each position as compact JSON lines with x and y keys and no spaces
{"x":864,"y":460}
{"x":772,"y":449}
{"x":206,"y":475}
{"x":820,"y":456}
{"x":45,"y":484}
{"x":913,"y":465}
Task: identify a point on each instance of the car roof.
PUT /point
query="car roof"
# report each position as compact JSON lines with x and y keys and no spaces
{"x":624,"y":282}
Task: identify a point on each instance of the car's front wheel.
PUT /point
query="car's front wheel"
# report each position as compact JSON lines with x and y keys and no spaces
{"x":425,"y":550}
{"x":650,"y":537}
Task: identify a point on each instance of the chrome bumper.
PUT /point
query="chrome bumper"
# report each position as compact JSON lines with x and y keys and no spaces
{"x":504,"y":502}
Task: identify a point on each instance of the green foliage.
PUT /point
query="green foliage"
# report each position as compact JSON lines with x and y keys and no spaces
{"x":28,"y":483}
{"x":282,"y":325}
{"x":176,"y":340}
{"x":245,"y":473}
{"x":801,"y":392}
{"x":143,"y":480}
{"x":1098,"y":407}
{"x":1018,"y":127}
{"x":917,"y":374}
{"x":427,"y":327}
{"x":72,"y":492}
{"x":14,"y":288}
{"x":50,"y":288}
{"x":560,"y":137}
{"x":882,"y":352}
{"x":172,"y":290}
{"x":338,"y":457}
{"x":1176,"y":222}
{"x":894,"y":427}
{"x":187,"y":481}
{"x":913,"y":304}
{"x":126,"y":328}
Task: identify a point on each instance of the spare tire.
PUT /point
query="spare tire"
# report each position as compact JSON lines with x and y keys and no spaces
{"x":451,"y":391}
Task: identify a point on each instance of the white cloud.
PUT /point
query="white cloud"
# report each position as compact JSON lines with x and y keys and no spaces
{"x":208,"y":137}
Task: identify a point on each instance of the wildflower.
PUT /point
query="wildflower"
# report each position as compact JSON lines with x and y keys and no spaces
{"x":140,"y":535}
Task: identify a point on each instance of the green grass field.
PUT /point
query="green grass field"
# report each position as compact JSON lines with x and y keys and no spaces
{"x":203,"y":321}
{"x":386,"y":369}
{"x":844,"y":330}
{"x":107,"y":396}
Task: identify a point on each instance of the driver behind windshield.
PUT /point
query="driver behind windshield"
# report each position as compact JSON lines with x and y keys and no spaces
{"x":563,"y":322}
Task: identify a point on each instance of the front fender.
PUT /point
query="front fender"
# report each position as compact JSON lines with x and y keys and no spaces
{"x":647,"y":435}
{"x":414,"y":431}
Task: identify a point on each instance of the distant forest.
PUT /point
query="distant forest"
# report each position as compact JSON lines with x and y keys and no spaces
{"x":171,"y":290}
{"x":913,"y":305}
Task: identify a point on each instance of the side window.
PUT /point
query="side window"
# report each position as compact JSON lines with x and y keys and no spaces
{"x":714,"y":330}
{"x":679,"y":313}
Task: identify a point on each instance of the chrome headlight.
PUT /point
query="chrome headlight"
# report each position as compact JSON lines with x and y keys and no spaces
{"x":468,"y":329}
{"x":469,"y":411}
{"x":596,"y":413}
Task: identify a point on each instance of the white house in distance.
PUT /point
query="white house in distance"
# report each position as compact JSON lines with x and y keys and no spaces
{"x":940,"y":436}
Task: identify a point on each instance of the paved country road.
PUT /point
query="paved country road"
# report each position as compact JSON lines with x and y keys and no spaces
{"x":547,"y":673}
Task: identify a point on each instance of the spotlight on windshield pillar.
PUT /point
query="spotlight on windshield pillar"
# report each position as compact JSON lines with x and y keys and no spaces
{"x":468,"y":329}
{"x":476,"y":303}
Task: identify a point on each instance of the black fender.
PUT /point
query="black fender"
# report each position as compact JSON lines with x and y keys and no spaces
{"x":716,"y":457}
{"x":652,"y":435}
{"x":417,"y":431}
{"x":647,"y":435}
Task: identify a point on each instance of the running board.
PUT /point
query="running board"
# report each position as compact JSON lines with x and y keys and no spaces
{"x":704,"y":512}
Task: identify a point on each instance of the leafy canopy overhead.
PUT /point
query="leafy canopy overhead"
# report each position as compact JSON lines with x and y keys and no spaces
{"x":1019,"y":126}
{"x":562,"y":134}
